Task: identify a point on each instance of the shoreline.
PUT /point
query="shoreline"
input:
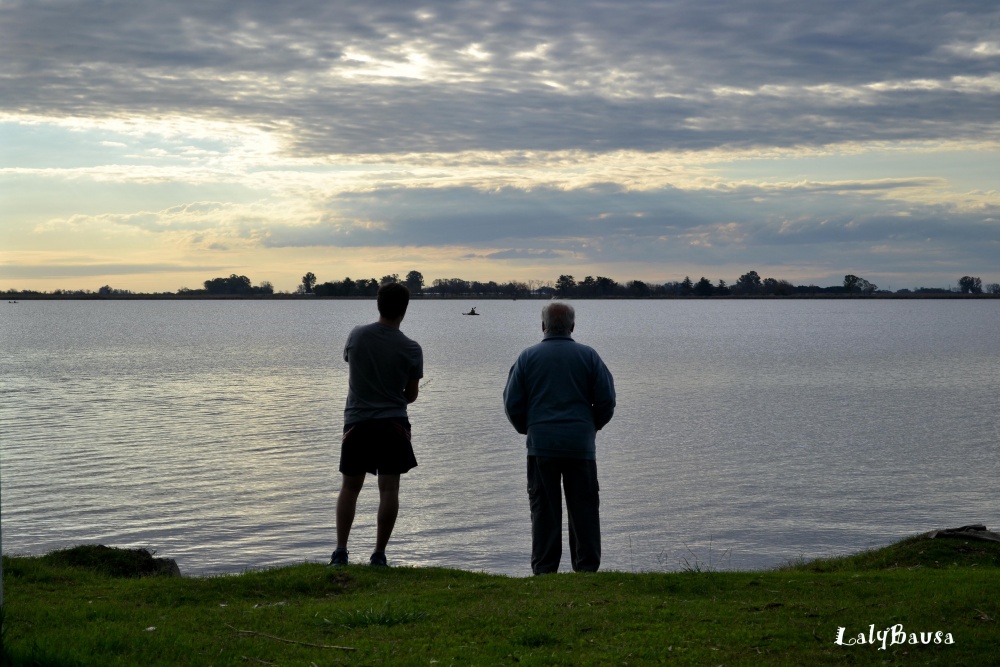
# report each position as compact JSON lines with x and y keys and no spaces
{"x":963,"y":546}
{"x":14,"y":298}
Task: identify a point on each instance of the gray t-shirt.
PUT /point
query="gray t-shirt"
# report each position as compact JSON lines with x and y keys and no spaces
{"x":381,"y":361}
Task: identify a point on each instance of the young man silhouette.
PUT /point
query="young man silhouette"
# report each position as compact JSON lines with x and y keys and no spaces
{"x":384,"y":369}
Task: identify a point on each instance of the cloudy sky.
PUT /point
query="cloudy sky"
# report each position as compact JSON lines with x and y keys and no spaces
{"x":152,"y":145}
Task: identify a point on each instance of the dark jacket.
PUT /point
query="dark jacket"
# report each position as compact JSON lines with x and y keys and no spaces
{"x":559,"y":393}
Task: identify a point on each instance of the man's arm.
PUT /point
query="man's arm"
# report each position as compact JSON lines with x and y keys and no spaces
{"x":411,"y":390}
{"x":515,"y":402}
{"x":416,"y":371}
{"x":604,"y":396}
{"x":347,"y":344}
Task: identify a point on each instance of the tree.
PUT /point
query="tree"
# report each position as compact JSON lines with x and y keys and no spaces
{"x":108,"y":290}
{"x":704,"y":287}
{"x":476,"y":287}
{"x":970,"y":285}
{"x":993,"y":288}
{"x":515,"y":288}
{"x":414,"y":282}
{"x":450,"y":286}
{"x":637,"y":288}
{"x":392,"y":278}
{"x":686,"y":287}
{"x":722,"y":289}
{"x":777,"y":287}
{"x":587,"y":287}
{"x":308,"y":282}
{"x":343,"y":287}
{"x":784,"y":288}
{"x":748,"y":283}
{"x":234,"y":284}
{"x":566,"y":285}
{"x":605,"y":286}
{"x":853,"y":283}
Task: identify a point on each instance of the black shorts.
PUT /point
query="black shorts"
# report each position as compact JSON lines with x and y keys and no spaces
{"x":378,"y":446}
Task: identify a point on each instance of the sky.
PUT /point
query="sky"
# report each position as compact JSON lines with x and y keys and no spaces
{"x":151,"y":145}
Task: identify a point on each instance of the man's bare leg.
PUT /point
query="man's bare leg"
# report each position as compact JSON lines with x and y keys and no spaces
{"x":347,"y":503}
{"x":388,"y":509}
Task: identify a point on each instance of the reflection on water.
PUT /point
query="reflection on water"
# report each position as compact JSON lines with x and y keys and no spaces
{"x":208,"y":431}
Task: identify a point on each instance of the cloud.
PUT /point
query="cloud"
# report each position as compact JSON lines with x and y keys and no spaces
{"x":566,"y":131}
{"x":35,"y":271}
{"x":521,"y":254}
{"x":796,"y":221}
{"x":382,"y":77}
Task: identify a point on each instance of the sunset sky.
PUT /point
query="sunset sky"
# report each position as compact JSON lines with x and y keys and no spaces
{"x":153,"y":145}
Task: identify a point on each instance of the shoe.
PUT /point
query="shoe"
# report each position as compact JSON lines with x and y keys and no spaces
{"x":378,"y":559}
{"x":339,"y":557}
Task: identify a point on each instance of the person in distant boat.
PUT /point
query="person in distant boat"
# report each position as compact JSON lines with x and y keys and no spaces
{"x":472,"y":311}
{"x":384,"y":371}
{"x":560,"y":394}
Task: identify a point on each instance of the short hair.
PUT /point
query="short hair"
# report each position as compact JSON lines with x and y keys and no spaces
{"x":558,"y":318}
{"x":392,"y":300}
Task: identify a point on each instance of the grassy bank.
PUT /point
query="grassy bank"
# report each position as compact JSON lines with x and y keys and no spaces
{"x":63,"y":613}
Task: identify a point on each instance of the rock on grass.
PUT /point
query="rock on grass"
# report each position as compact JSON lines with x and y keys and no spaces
{"x":114,"y":562}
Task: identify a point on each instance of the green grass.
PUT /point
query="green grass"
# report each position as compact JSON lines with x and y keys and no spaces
{"x":62,"y":612}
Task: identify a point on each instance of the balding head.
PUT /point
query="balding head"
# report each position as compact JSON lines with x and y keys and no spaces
{"x":558,"y":319}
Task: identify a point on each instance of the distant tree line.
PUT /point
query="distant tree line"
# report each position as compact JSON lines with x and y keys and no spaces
{"x":973,"y":285}
{"x":108,"y":290}
{"x":748,"y":284}
{"x":234,"y":285}
{"x":566,"y":286}
{"x":361,"y":287}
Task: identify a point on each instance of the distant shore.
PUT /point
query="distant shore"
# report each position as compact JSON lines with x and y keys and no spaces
{"x":484,"y":297}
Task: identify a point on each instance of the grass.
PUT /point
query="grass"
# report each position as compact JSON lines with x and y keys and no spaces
{"x":62,"y":611}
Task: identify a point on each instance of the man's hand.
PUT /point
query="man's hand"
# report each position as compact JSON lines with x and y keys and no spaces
{"x":411,"y":390}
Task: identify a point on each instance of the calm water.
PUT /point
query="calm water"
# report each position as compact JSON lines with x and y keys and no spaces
{"x":747,"y":433}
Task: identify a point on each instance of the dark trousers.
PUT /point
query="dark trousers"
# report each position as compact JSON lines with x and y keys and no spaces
{"x":579,"y":480}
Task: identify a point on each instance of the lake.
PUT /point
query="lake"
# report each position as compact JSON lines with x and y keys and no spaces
{"x":747,"y":434}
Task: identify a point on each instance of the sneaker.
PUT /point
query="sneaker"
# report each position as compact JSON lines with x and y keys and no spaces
{"x":378,"y":559}
{"x":339,"y":557}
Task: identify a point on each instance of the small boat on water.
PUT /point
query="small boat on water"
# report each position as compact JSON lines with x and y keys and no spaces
{"x":471,"y":312}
